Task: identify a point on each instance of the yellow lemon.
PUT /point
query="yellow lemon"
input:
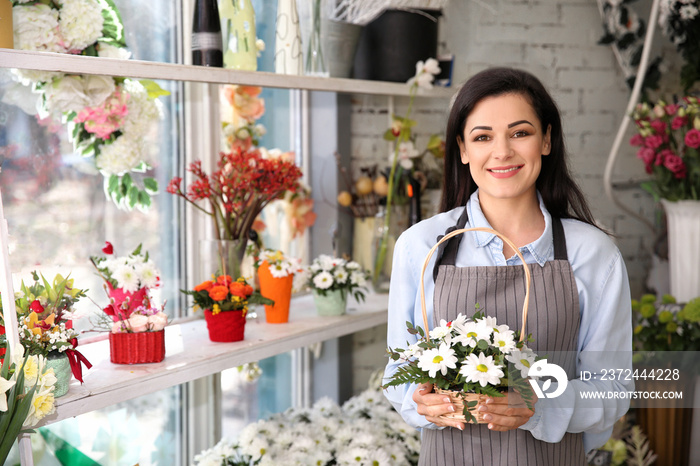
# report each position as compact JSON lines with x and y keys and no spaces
{"x":363,"y":185}
{"x":381,"y":187}
{"x":345,"y":199}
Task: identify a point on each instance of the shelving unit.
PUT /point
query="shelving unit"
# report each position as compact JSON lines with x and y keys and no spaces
{"x":75,"y":64}
{"x":189,"y":354}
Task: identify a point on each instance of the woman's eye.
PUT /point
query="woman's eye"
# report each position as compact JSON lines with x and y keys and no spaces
{"x":481,"y":137}
{"x":521,"y":133}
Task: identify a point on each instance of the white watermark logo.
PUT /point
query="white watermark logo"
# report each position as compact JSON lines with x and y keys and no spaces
{"x":542,"y":368}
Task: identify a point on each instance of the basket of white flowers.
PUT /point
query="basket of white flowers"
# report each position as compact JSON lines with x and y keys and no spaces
{"x":468,"y":359}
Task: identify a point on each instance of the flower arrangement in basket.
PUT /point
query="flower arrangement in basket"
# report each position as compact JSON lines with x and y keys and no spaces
{"x":44,"y":317}
{"x":276,"y":274}
{"x":465,"y":358}
{"x":669,"y":145}
{"x":136,"y":329}
{"x":225,"y":303}
{"x":245,"y":181}
{"x":27,"y":387}
{"x":110,"y":119}
{"x":332,"y":279}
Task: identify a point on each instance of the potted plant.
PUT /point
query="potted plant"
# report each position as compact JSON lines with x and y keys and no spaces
{"x":44,"y":315}
{"x":136,"y":327}
{"x":225,"y":302}
{"x":668,"y":137}
{"x":276,"y":275}
{"x":331,"y":280}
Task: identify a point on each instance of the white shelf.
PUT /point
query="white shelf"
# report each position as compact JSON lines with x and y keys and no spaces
{"x":189,"y":354}
{"x":75,"y":64}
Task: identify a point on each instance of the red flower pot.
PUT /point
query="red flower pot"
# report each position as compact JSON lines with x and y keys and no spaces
{"x":226,"y":326}
{"x":137,"y":348}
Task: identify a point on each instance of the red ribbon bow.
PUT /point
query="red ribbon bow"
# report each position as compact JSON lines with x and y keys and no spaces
{"x":75,"y":358}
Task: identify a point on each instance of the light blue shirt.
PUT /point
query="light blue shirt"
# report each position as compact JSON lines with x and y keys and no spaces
{"x":604,"y":298}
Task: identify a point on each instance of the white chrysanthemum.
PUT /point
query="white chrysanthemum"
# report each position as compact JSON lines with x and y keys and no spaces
{"x":459,"y":321}
{"x":126,"y":278}
{"x":438,"y":359}
{"x":323,"y":280}
{"x":352,"y":265}
{"x":472,"y":332}
{"x":522,"y":359}
{"x":120,"y":156}
{"x":412,"y":351}
{"x":256,"y":447}
{"x":80,"y":23}
{"x":504,"y":340}
{"x":481,"y":369}
{"x":341,"y":276}
{"x":441,"y":331}
{"x":36,"y":28}
{"x":358,"y":278}
{"x":148,"y":274}
{"x":326,"y":262}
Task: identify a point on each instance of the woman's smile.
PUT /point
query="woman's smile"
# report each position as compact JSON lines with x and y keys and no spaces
{"x":505,"y":172}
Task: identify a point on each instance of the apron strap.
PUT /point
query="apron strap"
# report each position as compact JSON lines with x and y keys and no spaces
{"x":447,"y":251}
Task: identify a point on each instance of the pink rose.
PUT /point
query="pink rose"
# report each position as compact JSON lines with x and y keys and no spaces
{"x":692,"y":138}
{"x":676,"y":165}
{"x":138,"y":323}
{"x":659,"y":126}
{"x":158,"y":321}
{"x":637,"y":140}
{"x":654,"y":141}
{"x":646,"y":155}
{"x":671,"y":109}
{"x":679,"y":122}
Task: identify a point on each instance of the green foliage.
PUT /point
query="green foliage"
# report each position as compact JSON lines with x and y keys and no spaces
{"x":18,"y":405}
{"x":664,"y":325}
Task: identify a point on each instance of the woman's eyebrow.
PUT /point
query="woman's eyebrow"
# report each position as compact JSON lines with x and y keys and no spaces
{"x":488,"y":128}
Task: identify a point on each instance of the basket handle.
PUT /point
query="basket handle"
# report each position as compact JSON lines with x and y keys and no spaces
{"x":526,"y":303}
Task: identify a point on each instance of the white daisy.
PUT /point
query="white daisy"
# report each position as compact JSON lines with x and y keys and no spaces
{"x":341,"y":276}
{"x":358,"y":278}
{"x":504,"y":341}
{"x":523,"y":359}
{"x":471,"y":332}
{"x":323,"y":280}
{"x":441,"y":331}
{"x":126,"y":278}
{"x":438,"y":359}
{"x":481,"y":369}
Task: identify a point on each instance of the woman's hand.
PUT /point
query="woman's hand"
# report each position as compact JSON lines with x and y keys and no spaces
{"x":431,"y":405}
{"x":506,"y":412}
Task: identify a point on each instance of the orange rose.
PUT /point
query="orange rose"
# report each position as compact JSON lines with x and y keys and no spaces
{"x":206,"y":286}
{"x":224,"y":280}
{"x":218,"y":292}
{"x":238,"y":289}
{"x":248,"y":290}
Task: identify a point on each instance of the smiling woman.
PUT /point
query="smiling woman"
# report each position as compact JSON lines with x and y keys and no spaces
{"x":506,"y":170}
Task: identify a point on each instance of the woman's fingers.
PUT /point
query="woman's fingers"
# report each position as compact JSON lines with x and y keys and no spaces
{"x":432,"y":406}
{"x":505,"y":413}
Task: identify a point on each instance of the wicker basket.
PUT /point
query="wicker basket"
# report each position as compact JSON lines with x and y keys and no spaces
{"x":137,"y":348}
{"x":458,"y":398}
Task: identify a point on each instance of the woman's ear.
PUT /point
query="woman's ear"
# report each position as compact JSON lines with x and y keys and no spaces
{"x":547,"y":141}
{"x":462,"y":151}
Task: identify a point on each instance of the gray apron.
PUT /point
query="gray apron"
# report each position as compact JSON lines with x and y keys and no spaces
{"x":553,"y":320}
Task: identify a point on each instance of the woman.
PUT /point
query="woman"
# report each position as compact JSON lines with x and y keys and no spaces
{"x":506,"y":169}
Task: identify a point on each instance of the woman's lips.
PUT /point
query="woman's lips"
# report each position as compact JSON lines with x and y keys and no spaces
{"x":504,"y":172}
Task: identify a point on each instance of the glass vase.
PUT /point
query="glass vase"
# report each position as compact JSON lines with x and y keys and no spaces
{"x":383,"y":242}
{"x":221,"y":257}
{"x":238,"y":28}
{"x":288,"y":54}
{"x":315,"y":61}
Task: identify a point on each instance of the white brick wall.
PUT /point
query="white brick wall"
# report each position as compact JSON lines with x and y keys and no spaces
{"x":557,"y":41}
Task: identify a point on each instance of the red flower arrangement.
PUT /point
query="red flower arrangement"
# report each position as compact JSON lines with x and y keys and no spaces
{"x":669,"y":140}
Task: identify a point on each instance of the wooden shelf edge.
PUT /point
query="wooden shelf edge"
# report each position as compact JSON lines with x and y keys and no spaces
{"x":65,"y":63}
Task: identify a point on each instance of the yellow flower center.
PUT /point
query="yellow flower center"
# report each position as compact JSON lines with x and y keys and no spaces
{"x":525,"y":362}
{"x":471,"y":334}
{"x":482,"y":368}
{"x":501,"y":343}
{"x":437,"y":359}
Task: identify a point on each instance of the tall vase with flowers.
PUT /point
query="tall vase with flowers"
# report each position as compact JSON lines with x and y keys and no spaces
{"x":245,"y":181}
{"x":276,"y":274}
{"x":44,"y":316}
{"x":404,"y":150}
{"x":225,"y":302}
{"x":136,"y":327}
{"x":668,"y":137}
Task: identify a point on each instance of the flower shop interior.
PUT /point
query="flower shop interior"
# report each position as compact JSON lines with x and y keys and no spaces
{"x":113,"y":115}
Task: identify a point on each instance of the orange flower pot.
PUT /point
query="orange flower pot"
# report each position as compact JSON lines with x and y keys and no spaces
{"x":277,"y":289}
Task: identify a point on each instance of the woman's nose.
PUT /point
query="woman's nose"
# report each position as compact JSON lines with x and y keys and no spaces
{"x":502,"y":148}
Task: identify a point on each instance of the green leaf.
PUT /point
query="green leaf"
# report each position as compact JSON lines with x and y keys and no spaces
{"x":113,"y":184}
{"x":151,"y":185}
{"x":113,"y":27}
{"x":153,"y":89}
{"x":132,"y":196}
{"x":127,"y":182}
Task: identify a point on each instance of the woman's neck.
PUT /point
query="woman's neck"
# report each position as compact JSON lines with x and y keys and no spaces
{"x":520,"y":220}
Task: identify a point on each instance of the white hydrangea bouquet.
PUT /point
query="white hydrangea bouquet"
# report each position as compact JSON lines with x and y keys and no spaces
{"x":327,"y":273}
{"x":109,"y":118}
{"x":467,"y":359}
{"x":365,"y":430}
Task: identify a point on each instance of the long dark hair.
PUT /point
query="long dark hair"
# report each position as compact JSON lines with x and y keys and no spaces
{"x":560,"y":193}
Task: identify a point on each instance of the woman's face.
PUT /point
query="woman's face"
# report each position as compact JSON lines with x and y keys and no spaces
{"x":503,"y":143}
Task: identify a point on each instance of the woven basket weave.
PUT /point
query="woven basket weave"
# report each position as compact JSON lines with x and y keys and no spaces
{"x":137,"y":348}
{"x":458,"y":398}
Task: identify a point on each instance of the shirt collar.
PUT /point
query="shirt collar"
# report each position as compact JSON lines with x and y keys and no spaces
{"x":542,"y":249}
